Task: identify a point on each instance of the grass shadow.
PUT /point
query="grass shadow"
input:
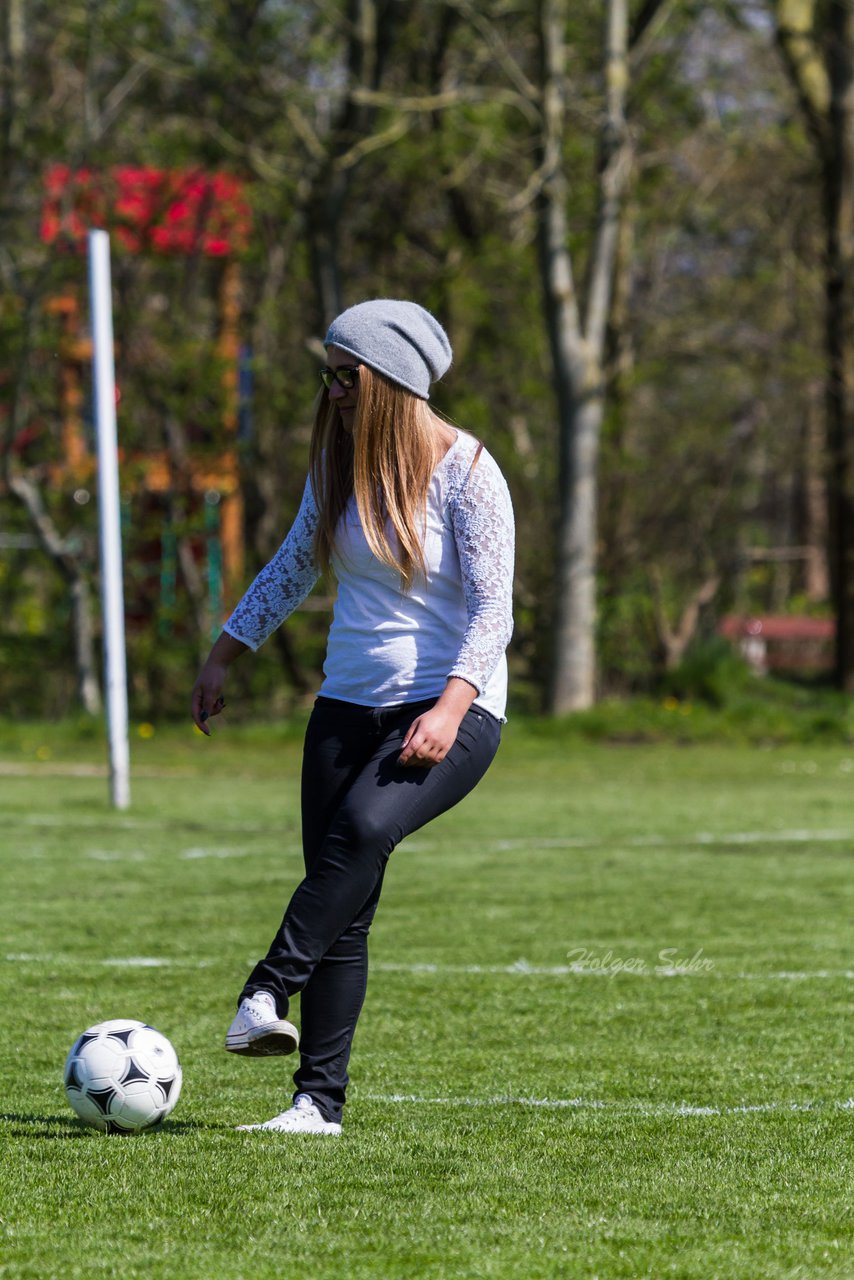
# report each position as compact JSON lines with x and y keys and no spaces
{"x":36,"y":1126}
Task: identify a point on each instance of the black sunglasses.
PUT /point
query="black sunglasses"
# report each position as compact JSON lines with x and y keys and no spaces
{"x":345,"y":377}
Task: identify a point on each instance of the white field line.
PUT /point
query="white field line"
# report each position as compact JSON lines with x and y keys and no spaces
{"x":628,"y":1107}
{"x":519,"y":969}
{"x":10,"y":769}
{"x":81,"y":769}
{"x":79,"y":822}
{"x":111,"y":962}
{"x":186,"y":855}
{"x":522,"y":969}
{"x":50,"y":769}
{"x":698,"y":839}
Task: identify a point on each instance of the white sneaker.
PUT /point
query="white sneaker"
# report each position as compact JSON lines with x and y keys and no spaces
{"x":258,"y":1031}
{"x":302,"y":1117}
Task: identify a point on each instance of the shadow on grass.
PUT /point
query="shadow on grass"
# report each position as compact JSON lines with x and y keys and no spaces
{"x":32,"y":1126}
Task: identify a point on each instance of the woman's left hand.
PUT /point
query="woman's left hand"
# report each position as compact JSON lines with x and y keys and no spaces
{"x":429,"y":738}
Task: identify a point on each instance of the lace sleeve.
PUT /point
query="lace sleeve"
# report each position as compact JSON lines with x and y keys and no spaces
{"x":282,"y":584}
{"x":482,"y":519}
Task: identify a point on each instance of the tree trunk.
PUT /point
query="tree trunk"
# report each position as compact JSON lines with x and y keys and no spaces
{"x":88,"y":686}
{"x":74,"y":573}
{"x":578,"y":348}
{"x":840,"y":330}
{"x":814,"y":538}
{"x":817,"y":47}
{"x":573,"y":684}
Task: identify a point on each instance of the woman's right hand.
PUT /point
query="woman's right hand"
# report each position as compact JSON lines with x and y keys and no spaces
{"x":207,"y":699}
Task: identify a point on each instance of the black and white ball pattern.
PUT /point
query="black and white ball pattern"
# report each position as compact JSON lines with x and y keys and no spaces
{"x":122,"y":1076}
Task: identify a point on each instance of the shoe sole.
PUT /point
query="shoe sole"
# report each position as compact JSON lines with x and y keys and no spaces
{"x":312,"y":1133}
{"x":276,"y":1040}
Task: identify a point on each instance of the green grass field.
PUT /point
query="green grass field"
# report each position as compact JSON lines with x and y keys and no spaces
{"x":605,"y":1034}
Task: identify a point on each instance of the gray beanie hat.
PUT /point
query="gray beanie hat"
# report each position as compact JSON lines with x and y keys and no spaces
{"x":399,"y":339}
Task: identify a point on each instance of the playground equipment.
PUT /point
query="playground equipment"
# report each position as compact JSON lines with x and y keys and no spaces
{"x":158,"y":211}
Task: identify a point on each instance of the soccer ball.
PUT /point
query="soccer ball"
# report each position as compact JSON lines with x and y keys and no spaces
{"x":122,"y":1076}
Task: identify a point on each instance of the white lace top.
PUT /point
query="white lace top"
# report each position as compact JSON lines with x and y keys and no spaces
{"x":387,"y":646}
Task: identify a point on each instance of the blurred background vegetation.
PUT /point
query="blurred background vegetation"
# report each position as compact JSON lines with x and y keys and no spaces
{"x":395,"y":148}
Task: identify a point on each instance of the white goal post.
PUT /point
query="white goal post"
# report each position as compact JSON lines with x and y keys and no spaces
{"x":109,"y":518}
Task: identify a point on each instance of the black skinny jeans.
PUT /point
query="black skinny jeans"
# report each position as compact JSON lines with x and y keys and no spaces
{"x":357,"y":804}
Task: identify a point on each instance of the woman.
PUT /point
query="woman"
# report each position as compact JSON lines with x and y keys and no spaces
{"x":415,"y":519}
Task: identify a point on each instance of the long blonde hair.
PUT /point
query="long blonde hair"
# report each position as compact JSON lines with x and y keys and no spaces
{"x":387,"y":462}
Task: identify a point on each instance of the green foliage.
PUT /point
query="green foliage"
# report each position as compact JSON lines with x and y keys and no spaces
{"x":711,"y":671}
{"x":36,"y":677}
{"x":626,"y":636}
{"x":761,"y":711}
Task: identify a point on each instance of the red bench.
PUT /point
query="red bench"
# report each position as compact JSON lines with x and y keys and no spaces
{"x":781,"y":643}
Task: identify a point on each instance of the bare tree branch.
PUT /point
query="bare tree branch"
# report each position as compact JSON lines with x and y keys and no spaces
{"x":675,"y":637}
{"x":551,"y":177}
{"x":646,"y":25}
{"x":373,"y":142}
{"x":65,"y":555}
{"x":446,"y":100}
{"x":125,"y":86}
{"x":805,"y":65}
{"x":498,"y":48}
{"x":615,"y":175}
